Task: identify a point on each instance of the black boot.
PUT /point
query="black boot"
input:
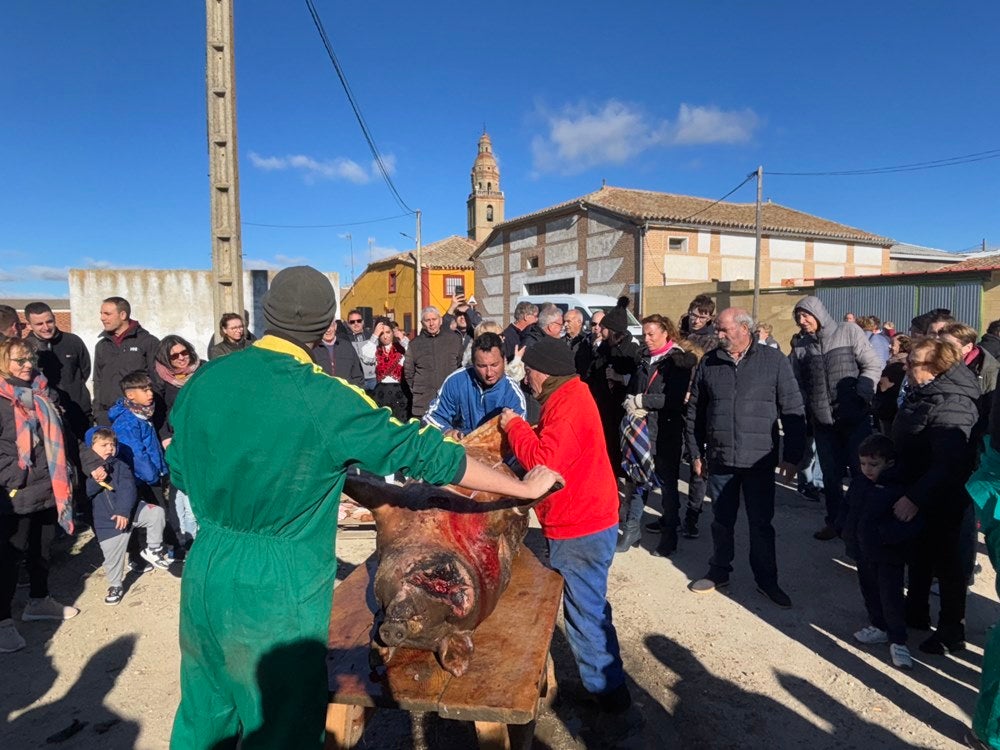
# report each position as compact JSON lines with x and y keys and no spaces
{"x":690,"y":528}
{"x":669,"y":521}
{"x":630,"y":536}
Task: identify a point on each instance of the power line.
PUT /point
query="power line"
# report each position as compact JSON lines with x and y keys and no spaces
{"x":354,"y":106}
{"x":913,"y":167}
{"x":750,"y":176}
{"x":324,"y":226}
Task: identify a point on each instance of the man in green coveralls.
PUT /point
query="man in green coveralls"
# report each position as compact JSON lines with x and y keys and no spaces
{"x":262,"y":441}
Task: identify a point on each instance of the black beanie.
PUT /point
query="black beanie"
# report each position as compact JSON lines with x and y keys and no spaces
{"x":616,"y":320}
{"x":300,"y":303}
{"x":551,"y":356}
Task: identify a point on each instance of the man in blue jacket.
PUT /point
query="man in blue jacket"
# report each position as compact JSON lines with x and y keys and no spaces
{"x":477,"y":393}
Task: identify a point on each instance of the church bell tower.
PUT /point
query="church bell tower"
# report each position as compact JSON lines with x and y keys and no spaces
{"x":486,"y":200}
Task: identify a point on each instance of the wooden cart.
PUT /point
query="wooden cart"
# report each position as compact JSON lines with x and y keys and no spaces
{"x":509,"y":676}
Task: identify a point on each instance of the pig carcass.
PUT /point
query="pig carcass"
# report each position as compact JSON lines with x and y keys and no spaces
{"x":445,"y":555}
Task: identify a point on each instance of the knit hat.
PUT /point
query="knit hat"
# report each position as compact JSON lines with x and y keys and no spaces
{"x":300,"y":303}
{"x":551,"y":356}
{"x":616,"y":320}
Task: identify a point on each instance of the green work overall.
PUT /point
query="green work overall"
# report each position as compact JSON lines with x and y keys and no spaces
{"x":262,"y":441}
{"x":984,"y":487}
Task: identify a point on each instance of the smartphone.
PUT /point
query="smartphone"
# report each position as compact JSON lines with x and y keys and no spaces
{"x":459,"y":290}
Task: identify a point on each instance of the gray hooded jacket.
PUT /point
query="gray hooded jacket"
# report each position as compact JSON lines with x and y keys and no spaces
{"x":836,"y":368}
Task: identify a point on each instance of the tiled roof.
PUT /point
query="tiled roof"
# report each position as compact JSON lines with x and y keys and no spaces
{"x":451,"y":252}
{"x":981,"y":263}
{"x":646,"y":205}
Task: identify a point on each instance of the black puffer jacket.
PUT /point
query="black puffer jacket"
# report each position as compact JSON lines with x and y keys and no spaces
{"x":32,"y":486}
{"x":429,"y":360}
{"x":932,"y":433}
{"x":735,"y":409}
{"x":836,"y":368}
{"x":113,"y":362}
{"x":664,"y":385}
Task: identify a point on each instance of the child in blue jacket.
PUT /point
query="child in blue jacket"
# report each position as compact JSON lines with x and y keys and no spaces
{"x":117,"y":510}
{"x":131,"y":419}
{"x":879,"y":543}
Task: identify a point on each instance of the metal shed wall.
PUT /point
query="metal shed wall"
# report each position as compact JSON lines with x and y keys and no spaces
{"x":901,"y":301}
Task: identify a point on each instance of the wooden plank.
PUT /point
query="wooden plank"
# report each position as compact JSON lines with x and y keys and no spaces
{"x":344,"y":726}
{"x":508,"y":667}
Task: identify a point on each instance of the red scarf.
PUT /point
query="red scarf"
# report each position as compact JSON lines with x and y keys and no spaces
{"x":32,"y":407}
{"x":388,"y":362}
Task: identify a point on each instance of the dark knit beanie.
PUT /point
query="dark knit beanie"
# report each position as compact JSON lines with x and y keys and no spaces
{"x":300,"y":303}
{"x":616,"y":320}
{"x":551,"y":356}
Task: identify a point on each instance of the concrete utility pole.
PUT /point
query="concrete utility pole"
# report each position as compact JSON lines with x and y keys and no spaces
{"x":223,"y":167}
{"x":756,"y":257}
{"x":417,"y":325}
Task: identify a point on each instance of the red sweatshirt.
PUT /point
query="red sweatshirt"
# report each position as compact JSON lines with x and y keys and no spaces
{"x":569,"y":439}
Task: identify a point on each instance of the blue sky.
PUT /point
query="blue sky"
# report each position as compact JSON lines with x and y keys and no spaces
{"x":103,"y":127}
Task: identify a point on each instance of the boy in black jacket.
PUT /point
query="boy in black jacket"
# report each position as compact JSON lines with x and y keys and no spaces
{"x":878,"y":542}
{"x":117,"y":509}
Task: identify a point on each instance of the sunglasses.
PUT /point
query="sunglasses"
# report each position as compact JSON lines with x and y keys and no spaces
{"x":356,"y":320}
{"x":178,"y":355}
{"x":21,"y":361}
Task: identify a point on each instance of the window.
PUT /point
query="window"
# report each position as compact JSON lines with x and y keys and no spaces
{"x":392,"y":282}
{"x":678,"y":244}
{"x":450,"y":284}
{"x":533,"y":261}
{"x":489,"y":213}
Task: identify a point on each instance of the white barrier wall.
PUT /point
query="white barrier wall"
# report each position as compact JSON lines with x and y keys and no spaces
{"x":164,"y":301}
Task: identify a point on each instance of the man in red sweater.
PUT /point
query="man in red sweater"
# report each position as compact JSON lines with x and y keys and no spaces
{"x":580,"y":521}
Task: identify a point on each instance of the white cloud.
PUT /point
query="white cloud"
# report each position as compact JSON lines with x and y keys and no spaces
{"x":697,"y":125}
{"x":290,"y":260}
{"x":582,"y":136}
{"x":44,"y":273}
{"x":4,"y":276}
{"x":99,"y":264}
{"x":313,"y":169}
{"x":260,"y":264}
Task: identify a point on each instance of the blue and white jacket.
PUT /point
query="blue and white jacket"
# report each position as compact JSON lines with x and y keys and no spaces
{"x":463,"y":402}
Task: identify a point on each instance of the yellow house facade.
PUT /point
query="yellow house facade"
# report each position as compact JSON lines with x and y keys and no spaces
{"x":387,"y":287}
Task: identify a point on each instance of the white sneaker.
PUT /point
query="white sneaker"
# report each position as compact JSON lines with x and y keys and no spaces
{"x":155,"y":557}
{"x":47,"y":608}
{"x":10,"y":639}
{"x":871,"y":635}
{"x":900,"y":656}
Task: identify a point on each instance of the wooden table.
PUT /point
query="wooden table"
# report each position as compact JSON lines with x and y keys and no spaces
{"x":510,"y":672}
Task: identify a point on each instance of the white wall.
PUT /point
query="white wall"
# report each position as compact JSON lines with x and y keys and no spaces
{"x":163,"y":301}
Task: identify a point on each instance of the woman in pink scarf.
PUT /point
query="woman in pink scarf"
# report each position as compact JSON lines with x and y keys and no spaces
{"x":35,"y":490}
{"x":658,"y":392}
{"x":176,"y":362}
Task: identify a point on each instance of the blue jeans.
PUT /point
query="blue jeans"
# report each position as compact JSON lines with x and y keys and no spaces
{"x":837,"y":450}
{"x":812,"y":474}
{"x":757,"y":487}
{"x":583,"y":563}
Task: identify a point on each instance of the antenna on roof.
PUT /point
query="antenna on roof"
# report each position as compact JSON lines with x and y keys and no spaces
{"x":484,"y":127}
{"x":604,"y":182}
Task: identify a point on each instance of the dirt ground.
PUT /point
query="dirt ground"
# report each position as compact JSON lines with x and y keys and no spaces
{"x":716,"y":671}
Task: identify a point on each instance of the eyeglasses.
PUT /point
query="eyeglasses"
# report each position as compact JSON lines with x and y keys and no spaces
{"x":178,"y":355}
{"x":22,"y":361}
{"x":355,"y":320}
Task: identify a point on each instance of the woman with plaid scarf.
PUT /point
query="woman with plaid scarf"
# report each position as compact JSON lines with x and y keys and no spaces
{"x":35,"y":490}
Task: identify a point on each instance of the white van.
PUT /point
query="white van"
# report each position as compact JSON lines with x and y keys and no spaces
{"x":587,"y":304}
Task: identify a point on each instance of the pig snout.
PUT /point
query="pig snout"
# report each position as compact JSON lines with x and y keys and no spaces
{"x":394,"y":632}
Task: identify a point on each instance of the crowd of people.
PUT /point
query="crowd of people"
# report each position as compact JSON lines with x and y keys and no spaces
{"x":884,"y":427}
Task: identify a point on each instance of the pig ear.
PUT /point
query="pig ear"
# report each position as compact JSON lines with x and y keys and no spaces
{"x":455,"y":652}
